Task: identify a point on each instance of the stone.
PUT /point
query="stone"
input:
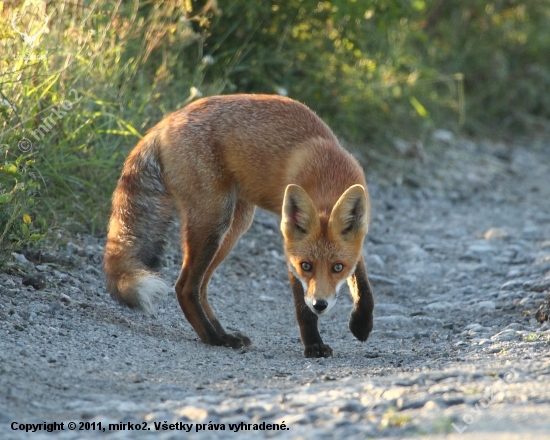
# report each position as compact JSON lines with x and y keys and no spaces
{"x":440,"y":306}
{"x":485,"y":305}
{"x":42,"y":268}
{"x":192,"y":413}
{"x":445,"y":136}
{"x":351,"y":407}
{"x":9,"y":283}
{"x":540,"y":285}
{"x":496,"y":234}
{"x":394,"y":393}
{"x":63,"y":277}
{"x":513,"y":284}
{"x":451,"y":401}
{"x":73,"y":248}
{"x":403,"y":404}
{"x":474,"y":326}
{"x":431,"y":405}
{"x":505,"y":335}
{"x":38,"y":281}
{"x":20,"y":258}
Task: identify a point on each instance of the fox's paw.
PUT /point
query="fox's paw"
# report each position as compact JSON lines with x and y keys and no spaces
{"x":236,"y":340}
{"x":360,"y":324}
{"x":317,"y":351}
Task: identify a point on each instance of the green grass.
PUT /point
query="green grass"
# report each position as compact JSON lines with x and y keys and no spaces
{"x":100,"y":73}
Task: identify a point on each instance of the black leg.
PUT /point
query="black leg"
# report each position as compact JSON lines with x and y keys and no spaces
{"x":307,"y":320}
{"x":361,"y":319}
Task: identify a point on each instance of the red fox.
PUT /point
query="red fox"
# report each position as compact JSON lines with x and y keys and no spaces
{"x":216,"y":160}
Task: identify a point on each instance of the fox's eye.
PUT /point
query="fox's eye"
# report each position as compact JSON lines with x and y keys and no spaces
{"x":338,"y":267}
{"x":306,"y":267}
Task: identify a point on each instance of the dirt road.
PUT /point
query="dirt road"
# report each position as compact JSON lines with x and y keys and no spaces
{"x":459,"y":259}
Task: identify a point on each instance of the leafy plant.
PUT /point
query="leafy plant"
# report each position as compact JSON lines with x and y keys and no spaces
{"x":80,"y":82}
{"x":18,"y":186}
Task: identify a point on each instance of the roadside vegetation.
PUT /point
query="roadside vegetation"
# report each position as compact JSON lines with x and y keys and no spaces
{"x":80,"y":82}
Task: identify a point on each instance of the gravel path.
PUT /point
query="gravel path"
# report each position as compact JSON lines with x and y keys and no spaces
{"x":459,"y":259}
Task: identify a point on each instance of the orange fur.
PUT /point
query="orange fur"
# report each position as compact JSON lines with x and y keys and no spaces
{"x":217,"y":159}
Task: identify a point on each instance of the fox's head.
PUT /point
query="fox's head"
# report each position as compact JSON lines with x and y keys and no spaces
{"x":322,"y":249}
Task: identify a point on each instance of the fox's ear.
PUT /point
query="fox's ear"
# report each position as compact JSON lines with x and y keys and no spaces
{"x":350,"y":215}
{"x":299,"y":216}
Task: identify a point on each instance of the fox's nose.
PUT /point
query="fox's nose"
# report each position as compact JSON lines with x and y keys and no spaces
{"x":320,"y":305}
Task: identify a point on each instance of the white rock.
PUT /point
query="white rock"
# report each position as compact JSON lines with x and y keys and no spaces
{"x":192,"y":413}
{"x":394,"y":393}
{"x":505,"y":335}
{"x":443,"y":135}
{"x":474,"y":326}
{"x":20,"y":258}
{"x":440,"y":305}
{"x":485,"y":305}
{"x":496,"y":234}
{"x":481,"y":248}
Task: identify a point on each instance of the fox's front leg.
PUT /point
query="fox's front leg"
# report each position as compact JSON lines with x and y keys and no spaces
{"x":361,"y":319}
{"x":307,"y":320}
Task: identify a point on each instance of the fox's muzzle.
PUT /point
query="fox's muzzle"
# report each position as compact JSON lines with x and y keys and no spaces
{"x":320,"y":306}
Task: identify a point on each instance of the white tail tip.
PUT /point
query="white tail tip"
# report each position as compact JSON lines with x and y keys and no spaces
{"x":149,"y":290}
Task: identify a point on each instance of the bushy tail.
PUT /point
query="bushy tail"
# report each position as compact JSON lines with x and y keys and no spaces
{"x":141,"y":213}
